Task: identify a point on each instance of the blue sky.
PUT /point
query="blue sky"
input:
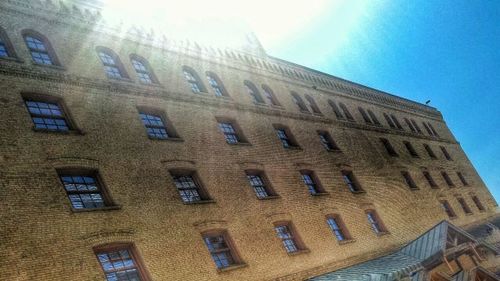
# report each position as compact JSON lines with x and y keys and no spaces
{"x":445,"y":51}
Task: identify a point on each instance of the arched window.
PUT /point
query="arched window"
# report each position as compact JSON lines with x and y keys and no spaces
{"x":143,"y":69}
{"x":269,"y":95}
{"x":40,"y":48}
{"x":347,"y":114}
{"x":216,"y":84}
{"x":299,"y":102}
{"x":193,"y":79}
{"x":336,"y":109}
{"x":112,"y":64}
{"x":254,"y":93}
{"x":6,"y":48}
{"x":312,"y":104}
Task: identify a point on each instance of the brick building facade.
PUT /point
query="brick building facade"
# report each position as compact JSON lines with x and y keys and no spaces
{"x":123,"y":150}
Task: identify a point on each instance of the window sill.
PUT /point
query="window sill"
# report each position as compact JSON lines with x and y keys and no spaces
{"x":293,"y":147}
{"x":469,"y":214}
{"x":380,"y":234}
{"x":201,"y":202}
{"x":232,"y":267}
{"x":358,"y":192}
{"x":107,"y":208}
{"x":240,"y":144}
{"x":153,"y":84}
{"x":53,"y":66}
{"x":334,"y":150}
{"x":299,"y":252}
{"x":70,"y":132}
{"x":347,"y":241}
{"x":167,"y":139}
{"x":414,"y":188}
{"x":13,"y":59}
{"x":319,"y":194}
{"x":120,"y":79}
{"x":269,"y":197}
{"x":305,"y":111}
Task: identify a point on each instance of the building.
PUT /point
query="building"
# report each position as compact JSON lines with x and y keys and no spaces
{"x":128,"y":156}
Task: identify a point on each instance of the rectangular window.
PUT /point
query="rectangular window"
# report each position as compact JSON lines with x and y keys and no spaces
{"x":445,"y":153}
{"x":429,"y":179}
{"x":365,"y":116}
{"x":389,"y":121}
{"x":431,"y":153}
{"x":427,"y":129}
{"x":221,"y":249}
{"x":416,"y":126}
{"x":327,"y":141}
{"x":410,"y":125}
{"x":478,"y":203}
{"x":312,"y":182}
{"x":388,"y":147}
{"x":84,"y":189}
{"x":260,"y":184}
{"x":464,"y":205}
{"x":3,"y":50}
{"x":447,"y":208}
{"x":338,"y":228}
{"x":432,"y":129}
{"x":375,"y":222}
{"x":396,"y":122}
{"x":462,"y":179}
{"x":121,"y":262}
{"x":155,"y":126}
{"x":409,"y":180}
{"x":411,"y":149}
{"x":229,"y":132}
{"x":351,"y":182}
{"x":286,"y":138}
{"x":374,"y":118}
{"x":47,"y":115}
{"x":447,"y":179}
{"x":288,"y":236}
{"x":189,"y":187}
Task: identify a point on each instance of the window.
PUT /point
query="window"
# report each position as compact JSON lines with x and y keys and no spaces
{"x":346,"y":112}
{"x":231,"y":130}
{"x":430,"y":152}
{"x":143,"y":70}
{"x":335,"y":109}
{"x":351,"y":182}
{"x":396,"y":122}
{"x":285,"y":136}
{"x":40,"y":48}
{"x":193,"y":80}
{"x":189,"y":186}
{"x":84,"y":189}
{"x":120,"y":261}
{"x":260,"y":184}
{"x":410,"y":149}
{"x":112,"y":64}
{"x":312,"y":183}
{"x":338,"y":228}
{"x":388,"y":147}
{"x":389,"y":121}
{"x":478,"y":203}
{"x":427,"y":129}
{"x":447,"y":179}
{"x":299,"y":102}
{"x":462,"y":179}
{"x":253,"y":92}
{"x":312,"y":104}
{"x":447,"y":208}
{"x":6,"y":48}
{"x":216,"y":84}
{"x":221,"y":249}
{"x":409,"y":180}
{"x":432,"y":130}
{"x":416,"y":126}
{"x":464,"y":205}
{"x":410,"y":125}
{"x":327,"y":141}
{"x":48,"y":114}
{"x":374,"y":118}
{"x":375,"y":222}
{"x":445,"y":153}
{"x":156,"y":125}
{"x":286,"y":232}
{"x":269,"y":95}
{"x":429,"y":179}
{"x":365,"y":116}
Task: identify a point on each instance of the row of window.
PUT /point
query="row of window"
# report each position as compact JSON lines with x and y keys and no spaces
{"x":411,"y":150}
{"x":465,"y":207}
{"x":43,"y":53}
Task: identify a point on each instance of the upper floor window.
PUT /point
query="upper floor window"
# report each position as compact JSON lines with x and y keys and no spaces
{"x":253,"y":92}
{"x":189,"y":186}
{"x":312,"y":183}
{"x":312,"y":104}
{"x":112,"y":63}
{"x":373,"y":117}
{"x":462,"y":179}
{"x":335,"y":109}
{"x":478,"y":203}
{"x":40,"y":48}
{"x":346,"y":112}
{"x":445,"y":153}
{"x":260,"y":184}
{"x":221,"y":249}
{"x":216,"y":84}
{"x":156,"y":124}
{"x":464,"y":205}
{"x":351,"y":182}
{"x":288,"y":236}
{"x":338,"y":228}
{"x":430,"y":130}
{"x":121,"y":261}
{"x":327,"y":141}
{"x":143,"y":69}
{"x":365,"y":116}
{"x":447,"y":179}
{"x":410,"y":149}
{"x":48,"y":114}
{"x":429,"y":150}
{"x":429,"y":179}
{"x":396,"y":122}
{"x":269,"y":95}
{"x":375,"y":222}
{"x":285,"y":136}
{"x":447,"y":208}
{"x":409,"y":180}
{"x":389,"y":121}
{"x":434,"y":132}
{"x":299,"y":102}
{"x":415,"y":125}
{"x":6,"y":48}
{"x":410,"y":125}
{"x":389,"y":148}
{"x":193,"y":80}
{"x":231,"y":130}
{"x":84,"y":189}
